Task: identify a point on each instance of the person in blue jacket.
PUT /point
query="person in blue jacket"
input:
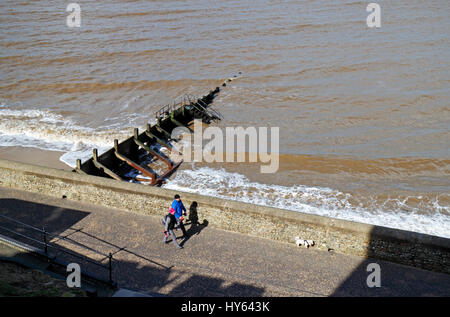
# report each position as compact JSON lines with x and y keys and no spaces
{"x":179,"y":211}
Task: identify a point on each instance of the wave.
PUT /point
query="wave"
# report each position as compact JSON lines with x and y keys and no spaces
{"x":386,"y":167}
{"x":50,"y":131}
{"x":148,"y":13}
{"x":426,"y":213}
{"x":96,"y":87}
{"x":419,"y":213}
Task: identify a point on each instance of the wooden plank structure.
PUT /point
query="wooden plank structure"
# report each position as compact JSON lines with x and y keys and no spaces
{"x":131,"y":159}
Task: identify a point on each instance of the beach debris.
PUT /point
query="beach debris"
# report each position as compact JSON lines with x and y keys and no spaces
{"x":303,"y":242}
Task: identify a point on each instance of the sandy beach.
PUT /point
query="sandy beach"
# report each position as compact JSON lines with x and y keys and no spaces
{"x":33,"y":156}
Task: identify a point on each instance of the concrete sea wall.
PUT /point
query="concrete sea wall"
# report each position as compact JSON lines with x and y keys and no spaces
{"x":404,"y":247}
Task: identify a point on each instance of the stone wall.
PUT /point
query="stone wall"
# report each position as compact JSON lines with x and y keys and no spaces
{"x":410,"y":248}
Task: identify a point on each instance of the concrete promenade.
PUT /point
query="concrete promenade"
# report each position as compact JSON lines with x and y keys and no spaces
{"x":213,"y":262}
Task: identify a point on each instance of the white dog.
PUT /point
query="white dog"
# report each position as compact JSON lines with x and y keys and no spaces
{"x":305,"y":243}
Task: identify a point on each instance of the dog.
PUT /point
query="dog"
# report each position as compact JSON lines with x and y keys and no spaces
{"x":305,"y":243}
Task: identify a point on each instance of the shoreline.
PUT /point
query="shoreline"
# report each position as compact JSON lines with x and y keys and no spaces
{"x":273,"y":190}
{"x":343,"y":236}
{"x":33,"y":156}
{"x":341,"y":173}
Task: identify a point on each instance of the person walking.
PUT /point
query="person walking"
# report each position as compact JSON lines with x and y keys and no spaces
{"x":179,"y":210}
{"x":169,"y":223}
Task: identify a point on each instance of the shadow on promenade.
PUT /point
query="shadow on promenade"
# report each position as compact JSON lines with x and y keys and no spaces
{"x":195,"y":226}
{"x":396,"y":279}
{"x":145,"y":276}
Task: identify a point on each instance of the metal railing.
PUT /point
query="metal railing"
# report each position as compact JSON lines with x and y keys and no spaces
{"x":186,"y":100}
{"x":164,"y":111}
{"x":45,"y":245}
{"x":214,"y":114}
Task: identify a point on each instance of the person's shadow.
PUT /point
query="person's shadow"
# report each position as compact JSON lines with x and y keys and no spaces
{"x":195,"y":227}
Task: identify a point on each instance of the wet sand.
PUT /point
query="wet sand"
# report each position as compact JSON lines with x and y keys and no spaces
{"x":33,"y":156}
{"x":220,"y":180}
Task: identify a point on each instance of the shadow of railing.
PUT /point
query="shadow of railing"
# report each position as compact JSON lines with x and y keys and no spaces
{"x":148,"y":275}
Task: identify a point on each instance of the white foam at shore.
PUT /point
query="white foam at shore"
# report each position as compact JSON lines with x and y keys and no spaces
{"x":49,"y":131}
{"x":46,"y":130}
{"x":314,"y":200}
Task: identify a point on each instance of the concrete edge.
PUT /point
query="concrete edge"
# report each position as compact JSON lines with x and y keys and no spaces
{"x":246,"y":208}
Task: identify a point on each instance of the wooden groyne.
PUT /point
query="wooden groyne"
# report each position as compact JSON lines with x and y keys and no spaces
{"x":138,"y":158}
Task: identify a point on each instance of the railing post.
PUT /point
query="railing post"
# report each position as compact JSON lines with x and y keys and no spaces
{"x":110,"y":268}
{"x":45,"y":240}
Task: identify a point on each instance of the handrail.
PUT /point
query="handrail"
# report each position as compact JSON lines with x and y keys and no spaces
{"x":188,"y":99}
{"x":22,"y":223}
{"x":47,"y":245}
{"x":165,"y":110}
{"x":214,"y":114}
{"x":210,"y":109}
{"x":22,"y":235}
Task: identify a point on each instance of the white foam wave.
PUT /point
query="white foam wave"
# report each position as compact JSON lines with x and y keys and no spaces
{"x":81,"y":151}
{"x":46,"y":130}
{"x":394,"y":212}
{"x":50,"y":131}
